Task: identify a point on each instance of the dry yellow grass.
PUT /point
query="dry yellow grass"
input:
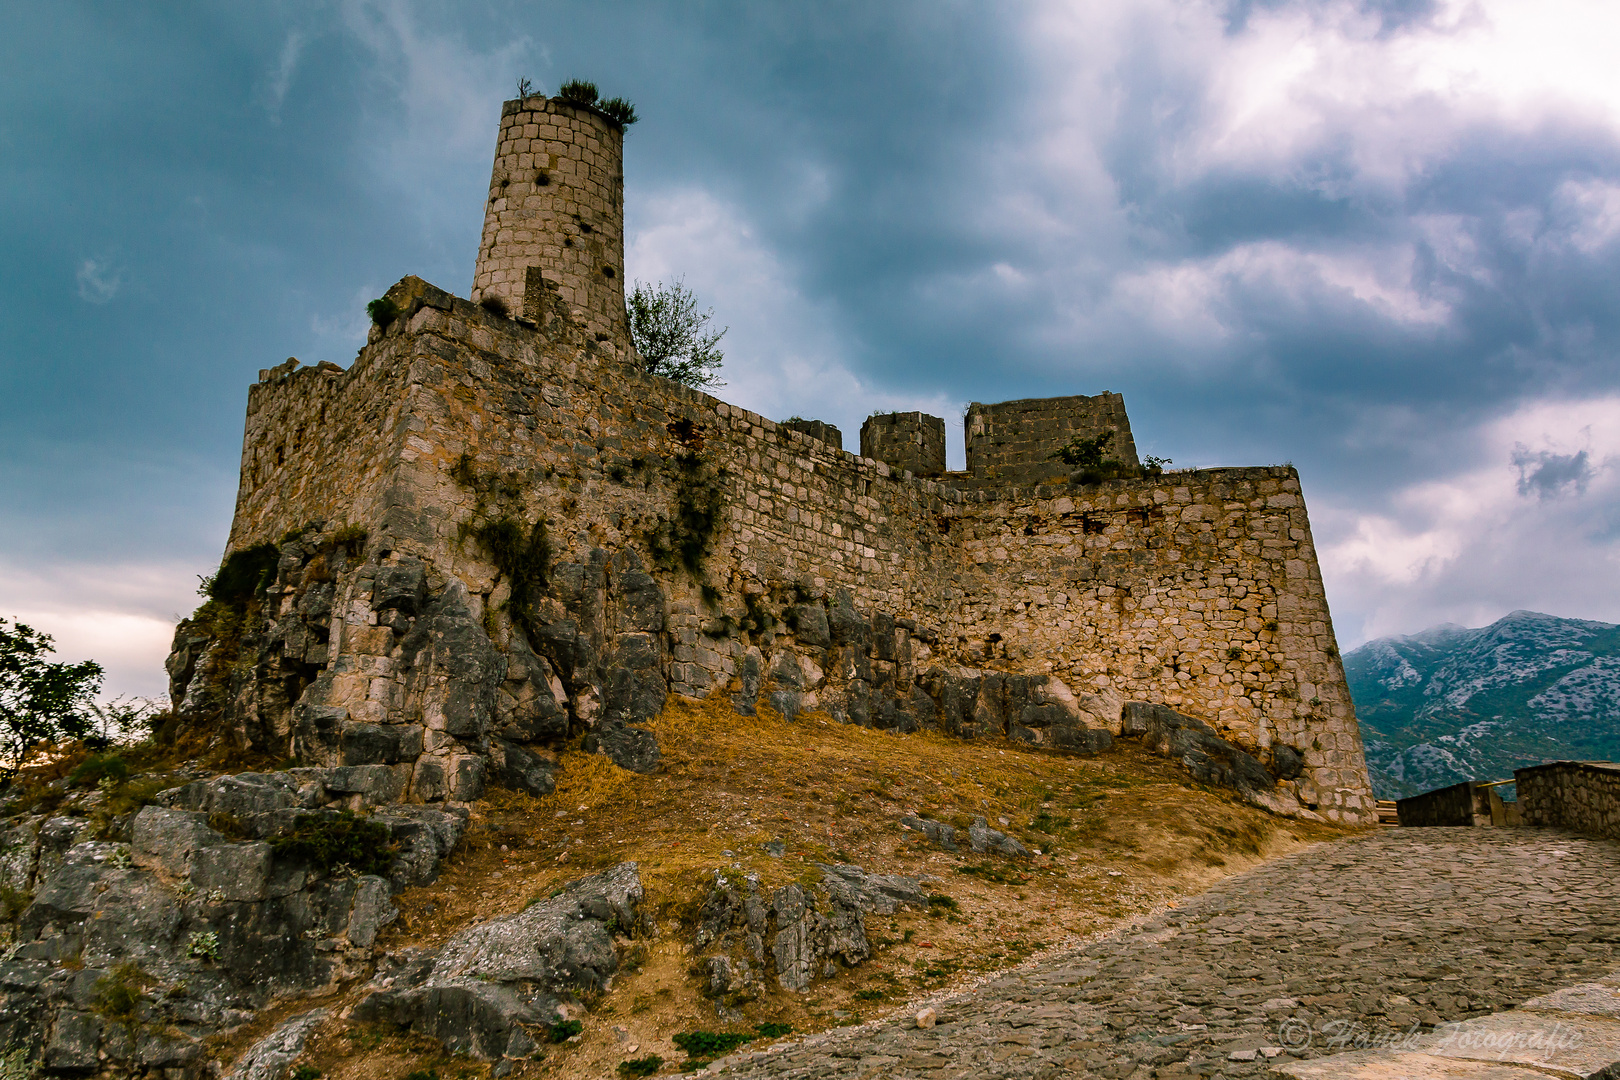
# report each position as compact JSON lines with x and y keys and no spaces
{"x":1118,"y":834}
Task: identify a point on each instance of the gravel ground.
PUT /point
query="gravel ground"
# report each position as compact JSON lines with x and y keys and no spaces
{"x":1344,"y":945}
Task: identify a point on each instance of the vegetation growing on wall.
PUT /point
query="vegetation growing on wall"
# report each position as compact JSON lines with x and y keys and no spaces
{"x":683,"y":540}
{"x":337,"y":841}
{"x":580,"y":92}
{"x":1089,"y":456}
{"x":672,"y":336}
{"x":519,"y":550}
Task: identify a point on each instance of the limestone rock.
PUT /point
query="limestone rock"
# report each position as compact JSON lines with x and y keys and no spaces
{"x":938,"y":833}
{"x":270,"y":1057}
{"x":1206,"y":755}
{"x":630,"y":748}
{"x":982,"y":838}
{"x":496,"y":978}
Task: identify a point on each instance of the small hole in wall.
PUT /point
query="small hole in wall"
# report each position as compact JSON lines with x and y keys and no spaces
{"x":504,"y":182}
{"x":607,"y":271}
{"x":541,"y":179}
{"x":568,"y":241}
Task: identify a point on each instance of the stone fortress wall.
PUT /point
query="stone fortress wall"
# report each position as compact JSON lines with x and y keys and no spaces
{"x":689,"y":546}
{"x":908,"y":442}
{"x":1016,"y":442}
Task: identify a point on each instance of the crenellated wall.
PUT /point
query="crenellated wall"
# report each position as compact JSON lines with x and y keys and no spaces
{"x":824,"y":580}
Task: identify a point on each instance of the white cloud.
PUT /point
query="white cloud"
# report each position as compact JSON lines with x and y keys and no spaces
{"x":120,"y":615}
{"x":99,"y":279}
{"x":1528,"y":518}
{"x":782,"y":356}
{"x":273,"y":90}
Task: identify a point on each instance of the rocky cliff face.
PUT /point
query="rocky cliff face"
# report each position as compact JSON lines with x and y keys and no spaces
{"x":348,"y":656}
{"x":1453,"y":704}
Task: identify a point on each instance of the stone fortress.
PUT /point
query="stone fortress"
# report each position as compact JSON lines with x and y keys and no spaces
{"x":494,"y":533}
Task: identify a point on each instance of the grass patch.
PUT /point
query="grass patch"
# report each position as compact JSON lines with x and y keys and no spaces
{"x":641,"y":1066}
{"x":331,"y":841}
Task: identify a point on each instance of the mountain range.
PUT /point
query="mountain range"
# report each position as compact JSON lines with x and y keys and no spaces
{"x":1452,"y":704}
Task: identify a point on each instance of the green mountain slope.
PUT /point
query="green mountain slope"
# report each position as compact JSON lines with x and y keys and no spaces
{"x":1452,"y":704}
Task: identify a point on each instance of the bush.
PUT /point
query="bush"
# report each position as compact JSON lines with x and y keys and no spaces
{"x":382,"y":311}
{"x":118,"y":995}
{"x":1085,"y":453}
{"x":306,"y":1072}
{"x":563,"y":1030}
{"x":242,"y":575}
{"x":495,"y":305}
{"x":423,"y":1074}
{"x":203,"y":945}
{"x":332,"y":840}
{"x":770,"y":1030}
{"x":578,"y":92}
{"x":98,"y":767}
{"x":619,"y":111}
{"x":708,"y":1044}
{"x":641,"y":1066}
{"x":13,"y":902}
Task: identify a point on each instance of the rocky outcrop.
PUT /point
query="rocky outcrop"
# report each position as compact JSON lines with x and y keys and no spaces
{"x":807,"y":931}
{"x":149,"y":934}
{"x":1211,"y":759}
{"x":493,"y":982}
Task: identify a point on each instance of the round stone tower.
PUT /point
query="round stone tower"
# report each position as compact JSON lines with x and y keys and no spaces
{"x":555,"y":216}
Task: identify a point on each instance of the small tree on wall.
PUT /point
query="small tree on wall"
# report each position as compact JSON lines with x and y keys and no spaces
{"x":673,"y":336}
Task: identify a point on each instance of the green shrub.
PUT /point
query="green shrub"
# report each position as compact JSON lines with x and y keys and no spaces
{"x":563,"y":1030}
{"x":13,"y":902}
{"x":423,"y":1074}
{"x":1085,"y":453}
{"x":770,"y":1030}
{"x":641,"y":1066}
{"x":940,"y":900}
{"x":709,"y":1044}
{"x":524,"y":556}
{"x":203,"y":945}
{"x":341,"y":839}
{"x":99,"y":767}
{"x":118,"y":995}
{"x":578,"y":92}
{"x":382,"y":311}
{"x":242,"y":575}
{"x":495,"y":304}
{"x":869,"y":995}
{"x":619,"y":111}
{"x":306,"y":1072}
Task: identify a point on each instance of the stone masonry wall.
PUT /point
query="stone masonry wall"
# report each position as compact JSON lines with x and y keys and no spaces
{"x":907,"y":442}
{"x":556,"y":203}
{"x":1579,"y":795}
{"x":1013,"y":441}
{"x":827,"y":581}
{"x":320,"y":444}
{"x":1198,"y":590}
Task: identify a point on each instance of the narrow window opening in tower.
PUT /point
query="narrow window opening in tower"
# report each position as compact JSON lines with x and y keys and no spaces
{"x":607,"y":271}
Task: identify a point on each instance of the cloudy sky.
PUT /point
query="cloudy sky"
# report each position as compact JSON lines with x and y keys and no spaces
{"x":1380,"y":240}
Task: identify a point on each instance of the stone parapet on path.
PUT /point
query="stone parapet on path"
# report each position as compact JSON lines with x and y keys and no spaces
{"x":1579,"y":795}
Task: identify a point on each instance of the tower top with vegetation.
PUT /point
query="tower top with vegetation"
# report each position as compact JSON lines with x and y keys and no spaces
{"x":554,"y":219}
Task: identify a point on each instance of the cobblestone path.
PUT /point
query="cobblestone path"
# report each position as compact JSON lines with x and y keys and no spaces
{"x":1364,"y":936}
